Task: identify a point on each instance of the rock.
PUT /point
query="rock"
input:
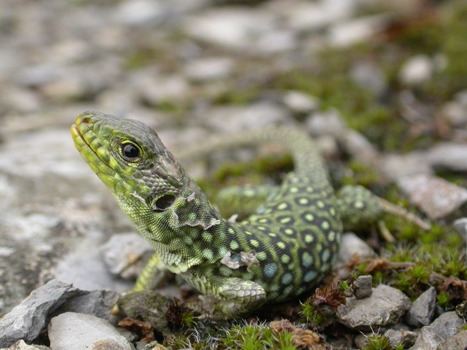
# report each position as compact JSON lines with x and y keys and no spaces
{"x":461,"y":226}
{"x":451,"y":156}
{"x":299,"y":102}
{"x":369,"y":76}
{"x":305,"y":16}
{"x":21,"y":345}
{"x":441,"y":329}
{"x":28,"y":319}
{"x":96,"y":302}
{"x":140,"y":12}
{"x":397,"y":166}
{"x":209,"y":69}
{"x":74,"y":331}
{"x":234,"y":28}
{"x":148,"y":306}
{"x":417,"y":70}
{"x":123,"y":253}
{"x":156,"y":89}
{"x":351,"y":244}
{"x":401,"y":336}
{"x":433,"y":195}
{"x":356,"y":30}
{"x":384,"y":307}
{"x":328,"y":122}
{"x":276,"y":41}
{"x":422,"y":309}
{"x":255,"y":116}
{"x":362,"y":286}
{"x":458,"y":341}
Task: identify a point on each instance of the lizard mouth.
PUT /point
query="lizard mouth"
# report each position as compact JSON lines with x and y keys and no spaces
{"x":84,"y":137}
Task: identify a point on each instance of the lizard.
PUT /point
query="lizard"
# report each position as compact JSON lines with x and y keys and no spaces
{"x":280,"y":251}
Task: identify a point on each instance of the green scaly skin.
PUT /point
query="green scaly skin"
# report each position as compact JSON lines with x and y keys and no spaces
{"x":279,"y":252}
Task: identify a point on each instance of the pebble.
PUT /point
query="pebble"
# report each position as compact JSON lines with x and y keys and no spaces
{"x":401,"y":336}
{"x":255,"y":116}
{"x":234,"y":28}
{"x":123,"y":253}
{"x":209,"y":69}
{"x":398,"y":166}
{"x":140,"y":12}
{"x":21,"y":345}
{"x":299,"y":102}
{"x":441,"y":329}
{"x":461,"y":226}
{"x":369,"y":75}
{"x":362,"y":286}
{"x":75,"y":331}
{"x":417,"y":70}
{"x":356,"y":31}
{"x":384,"y":307}
{"x":351,"y":244}
{"x":434,"y":196}
{"x":422,"y":310}
{"x":457,"y":342}
{"x":27,"y":320}
{"x":448,"y":155}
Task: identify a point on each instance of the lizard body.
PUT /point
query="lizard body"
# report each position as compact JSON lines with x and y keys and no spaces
{"x":282,"y":250}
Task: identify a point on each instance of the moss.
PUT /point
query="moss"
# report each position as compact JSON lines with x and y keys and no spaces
{"x":377,"y":342}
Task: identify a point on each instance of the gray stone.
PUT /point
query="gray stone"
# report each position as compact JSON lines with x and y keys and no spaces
{"x":88,"y":271}
{"x":299,"y":102}
{"x":351,"y":244}
{"x":417,"y":70}
{"x":276,"y":41}
{"x":356,"y":30}
{"x":96,"y":302}
{"x":28,"y":319}
{"x":401,"y":336}
{"x":21,"y":345}
{"x":369,"y":76}
{"x":140,"y":12}
{"x":384,"y":307}
{"x":123,"y":254}
{"x":328,"y":122}
{"x":452,"y":156}
{"x":441,"y":329}
{"x":209,"y":69}
{"x":74,"y":331}
{"x":461,"y":226}
{"x":457,"y":342}
{"x":397,"y":166}
{"x":433,"y":195}
{"x":422,"y":309}
{"x":255,"y":116}
{"x":234,"y":28}
{"x":362,"y":286}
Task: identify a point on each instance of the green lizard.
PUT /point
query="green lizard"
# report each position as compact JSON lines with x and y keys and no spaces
{"x":282,"y":250}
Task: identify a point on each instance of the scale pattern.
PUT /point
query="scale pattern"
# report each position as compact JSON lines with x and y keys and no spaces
{"x":282,"y":250}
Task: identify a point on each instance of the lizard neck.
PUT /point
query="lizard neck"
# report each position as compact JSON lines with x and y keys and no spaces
{"x":182,"y":234}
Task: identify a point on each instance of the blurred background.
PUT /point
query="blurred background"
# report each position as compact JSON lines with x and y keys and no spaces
{"x":392,"y":70}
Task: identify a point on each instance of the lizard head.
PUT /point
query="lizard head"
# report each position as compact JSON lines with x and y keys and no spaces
{"x":130,"y":159}
{"x":152,"y":189}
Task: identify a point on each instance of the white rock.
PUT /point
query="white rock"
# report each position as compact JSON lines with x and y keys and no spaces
{"x":230,"y":27}
{"x":433,"y":195}
{"x":417,"y":70}
{"x":73,"y":331}
{"x":140,"y":12}
{"x":351,"y":244}
{"x":356,"y":30}
{"x":209,"y":69}
{"x":299,"y":102}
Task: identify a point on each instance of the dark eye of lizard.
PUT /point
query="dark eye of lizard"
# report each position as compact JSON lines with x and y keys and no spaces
{"x":130,"y":152}
{"x":164,"y":202}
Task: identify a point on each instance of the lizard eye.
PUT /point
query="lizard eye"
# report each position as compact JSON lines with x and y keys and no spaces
{"x":130,"y":152}
{"x":164,"y":202}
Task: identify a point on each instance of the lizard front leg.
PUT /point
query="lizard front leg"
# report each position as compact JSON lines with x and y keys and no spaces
{"x":231,"y":295}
